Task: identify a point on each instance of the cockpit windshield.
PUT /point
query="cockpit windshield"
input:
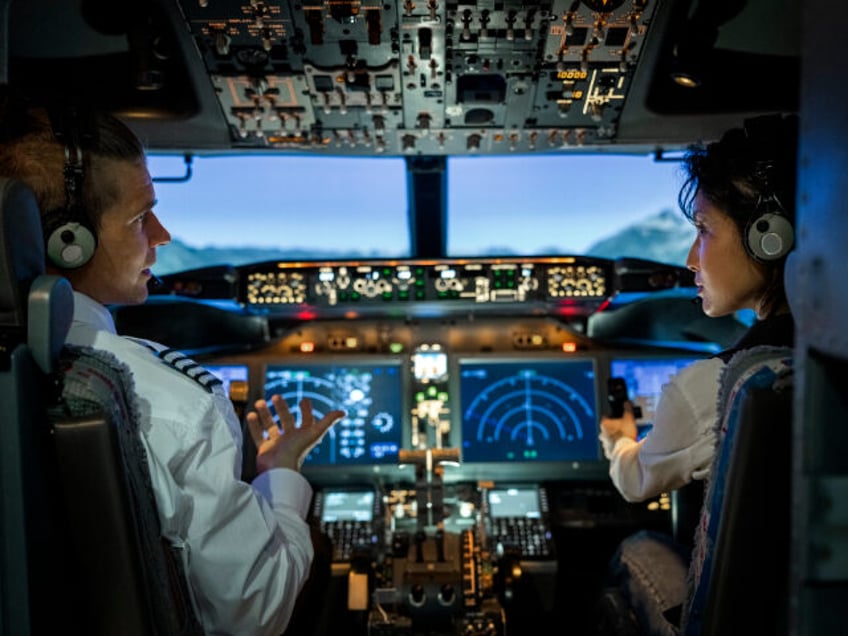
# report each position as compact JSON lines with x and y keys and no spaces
{"x":610,"y":206}
{"x":236,"y":209}
{"x":302,"y":207}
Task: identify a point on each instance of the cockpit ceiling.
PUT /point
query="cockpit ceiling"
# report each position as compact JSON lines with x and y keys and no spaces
{"x":403,"y":78}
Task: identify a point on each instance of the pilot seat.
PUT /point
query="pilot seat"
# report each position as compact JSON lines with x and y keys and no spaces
{"x":81,"y":547}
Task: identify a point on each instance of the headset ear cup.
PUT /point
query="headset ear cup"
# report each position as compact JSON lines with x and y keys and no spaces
{"x":70,"y":245}
{"x":770,"y":236}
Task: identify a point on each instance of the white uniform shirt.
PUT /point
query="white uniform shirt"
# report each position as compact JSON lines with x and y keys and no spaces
{"x":681,"y":444}
{"x":246,"y":547}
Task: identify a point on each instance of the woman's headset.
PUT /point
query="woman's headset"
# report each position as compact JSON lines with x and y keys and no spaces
{"x":769,"y":235}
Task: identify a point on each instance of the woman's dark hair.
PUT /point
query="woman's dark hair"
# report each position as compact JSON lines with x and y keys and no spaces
{"x":746,"y":166}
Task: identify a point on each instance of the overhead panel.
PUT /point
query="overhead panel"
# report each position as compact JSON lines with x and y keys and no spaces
{"x":420,"y":78}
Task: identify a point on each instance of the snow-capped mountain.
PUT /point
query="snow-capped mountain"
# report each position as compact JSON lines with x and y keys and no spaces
{"x":664,"y":237}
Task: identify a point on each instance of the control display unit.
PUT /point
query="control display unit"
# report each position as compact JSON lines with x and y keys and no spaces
{"x":517,"y":519}
{"x":513,"y":502}
{"x":350,"y":519}
{"x":347,"y":505}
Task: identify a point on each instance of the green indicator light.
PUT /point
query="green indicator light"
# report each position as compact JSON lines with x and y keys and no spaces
{"x":431,"y":391}
{"x":387,"y":272}
{"x":419,"y":294}
{"x":419,"y":397}
{"x":404,"y":295}
{"x":354,"y":295}
{"x":510,"y":455}
{"x":396,"y":347}
{"x":387,"y":295}
{"x":342,"y":295}
{"x":498,"y":284}
{"x":443,"y":396}
{"x":510,"y":283}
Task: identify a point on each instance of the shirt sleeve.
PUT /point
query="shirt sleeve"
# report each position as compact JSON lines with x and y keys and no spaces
{"x":246,"y":547}
{"x":680,"y":445}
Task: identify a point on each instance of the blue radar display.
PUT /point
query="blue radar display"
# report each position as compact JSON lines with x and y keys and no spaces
{"x":528,"y":411}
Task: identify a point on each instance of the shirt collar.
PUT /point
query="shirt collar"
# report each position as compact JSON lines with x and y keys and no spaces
{"x":90,"y":312}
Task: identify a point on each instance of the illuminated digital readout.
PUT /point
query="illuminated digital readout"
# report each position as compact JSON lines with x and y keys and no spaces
{"x":347,"y":506}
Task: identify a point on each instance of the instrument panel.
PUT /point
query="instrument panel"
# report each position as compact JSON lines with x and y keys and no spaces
{"x":566,"y":286}
{"x":479,"y":282}
{"x":451,"y":387}
{"x":466,"y":479}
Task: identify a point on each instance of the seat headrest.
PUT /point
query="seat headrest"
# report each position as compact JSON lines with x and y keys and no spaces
{"x":21,"y":251}
{"x":792,"y":274}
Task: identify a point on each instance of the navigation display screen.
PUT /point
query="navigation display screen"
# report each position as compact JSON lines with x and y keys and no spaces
{"x":371,"y":395}
{"x":645,"y":378}
{"x":528,"y":411}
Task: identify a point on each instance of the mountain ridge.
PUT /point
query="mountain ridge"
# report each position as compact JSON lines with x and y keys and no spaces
{"x":664,"y":237}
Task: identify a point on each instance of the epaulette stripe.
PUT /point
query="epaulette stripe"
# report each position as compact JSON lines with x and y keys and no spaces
{"x":171,"y":356}
{"x":195,"y":371}
{"x":185,"y":364}
{"x":179,"y":361}
{"x":209,"y":380}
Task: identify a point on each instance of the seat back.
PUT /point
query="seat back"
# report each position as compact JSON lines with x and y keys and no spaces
{"x":133,"y":576}
{"x":32,"y":552}
{"x":739,"y":575}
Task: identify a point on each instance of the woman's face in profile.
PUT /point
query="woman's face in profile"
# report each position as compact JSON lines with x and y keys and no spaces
{"x":728,"y":279}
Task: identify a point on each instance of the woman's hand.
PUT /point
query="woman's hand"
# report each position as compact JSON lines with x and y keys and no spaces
{"x":286,"y":445}
{"x":624,"y":426}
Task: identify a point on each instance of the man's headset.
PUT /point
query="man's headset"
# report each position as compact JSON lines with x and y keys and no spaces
{"x":769,"y":235}
{"x":68,"y":232}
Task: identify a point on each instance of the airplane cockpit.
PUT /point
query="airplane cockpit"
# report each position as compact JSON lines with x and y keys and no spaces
{"x":458,"y":223}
